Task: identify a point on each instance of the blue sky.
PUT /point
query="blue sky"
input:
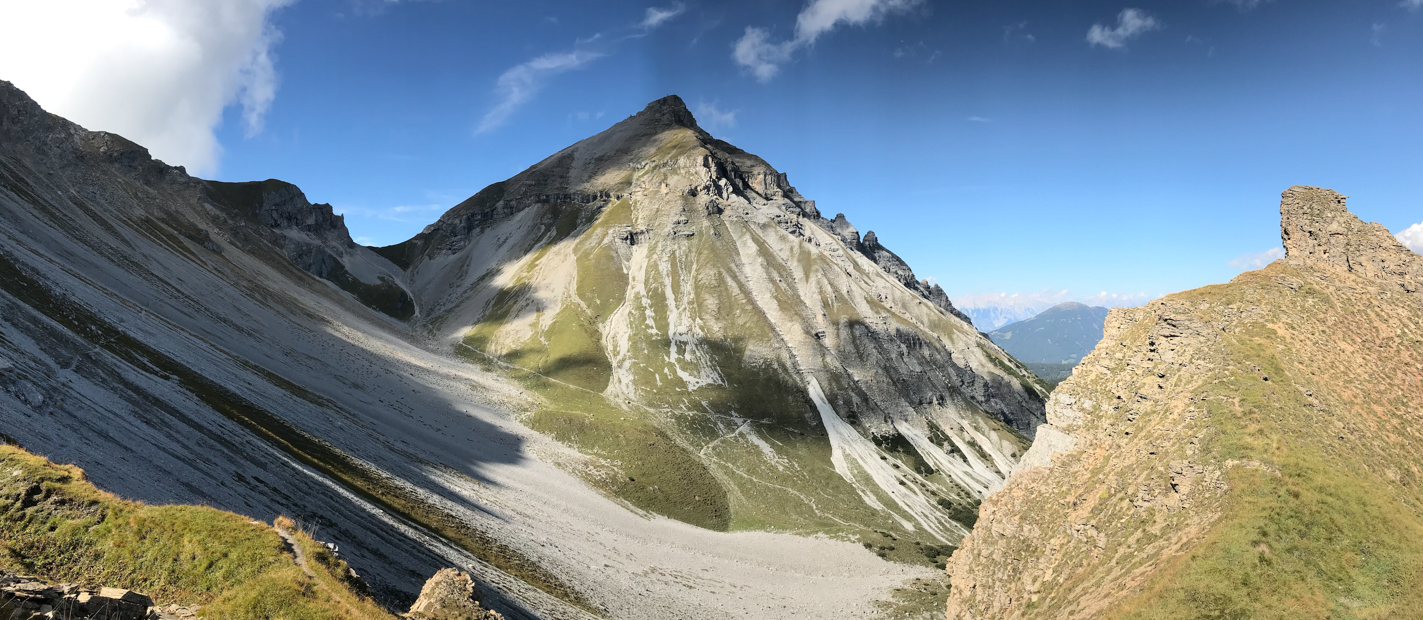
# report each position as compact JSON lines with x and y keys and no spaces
{"x":1130,"y":148}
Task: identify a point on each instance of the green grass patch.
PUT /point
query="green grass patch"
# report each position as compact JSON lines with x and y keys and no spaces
{"x":653,"y":471}
{"x":58,"y":527}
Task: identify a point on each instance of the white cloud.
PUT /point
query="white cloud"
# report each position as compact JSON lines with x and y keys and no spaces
{"x":1018,"y":33}
{"x":990,"y":311}
{"x":1245,"y":5}
{"x":1412,"y":5}
{"x":159,"y":72}
{"x":756,"y":52}
{"x":376,"y":7}
{"x":1412,"y":236}
{"x":979,"y":119}
{"x":1116,"y":300}
{"x":656,"y":16}
{"x":1377,"y":38}
{"x":1258,"y":259}
{"x":401,"y":213}
{"x":710,"y":116}
{"x":1131,"y":23}
{"x":519,"y":84}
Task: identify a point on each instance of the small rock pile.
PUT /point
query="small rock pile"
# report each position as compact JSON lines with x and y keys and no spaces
{"x":27,"y":598}
{"x":450,"y":595}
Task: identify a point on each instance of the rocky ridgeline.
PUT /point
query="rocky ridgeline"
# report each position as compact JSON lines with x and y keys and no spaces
{"x":1317,"y":229}
{"x":27,"y":598}
{"x":1234,"y":451}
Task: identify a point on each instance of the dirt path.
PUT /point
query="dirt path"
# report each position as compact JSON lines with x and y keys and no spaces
{"x":299,"y":554}
{"x":299,"y":557}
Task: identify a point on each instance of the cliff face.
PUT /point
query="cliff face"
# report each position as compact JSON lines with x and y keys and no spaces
{"x":1239,"y":450}
{"x":656,"y":282}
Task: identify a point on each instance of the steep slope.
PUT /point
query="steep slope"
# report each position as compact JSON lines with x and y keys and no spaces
{"x":1246,"y":450}
{"x":164,"y":340}
{"x":58,"y":527}
{"x":187,"y":342}
{"x":737,"y":360}
{"x":1062,"y":334}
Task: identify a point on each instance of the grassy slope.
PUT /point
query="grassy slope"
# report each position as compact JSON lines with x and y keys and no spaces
{"x":1292,"y":394}
{"x":57,"y":526}
{"x":1338,"y":532}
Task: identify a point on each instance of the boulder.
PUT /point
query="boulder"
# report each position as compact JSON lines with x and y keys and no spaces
{"x":450,"y":595}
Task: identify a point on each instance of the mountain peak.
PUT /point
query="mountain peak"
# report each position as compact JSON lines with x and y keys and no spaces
{"x":669,"y":110}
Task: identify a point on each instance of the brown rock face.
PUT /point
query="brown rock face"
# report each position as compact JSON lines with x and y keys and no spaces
{"x":450,"y":595}
{"x":1317,"y":229}
{"x":1235,"y":451}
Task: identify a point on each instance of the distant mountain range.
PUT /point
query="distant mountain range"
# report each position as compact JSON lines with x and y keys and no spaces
{"x":1062,"y":334}
{"x":992,"y":311}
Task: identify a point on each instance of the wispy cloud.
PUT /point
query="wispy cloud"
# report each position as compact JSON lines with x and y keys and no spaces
{"x":400,"y":213}
{"x":584,"y":117}
{"x":1412,"y":5}
{"x":1018,"y":33}
{"x":1378,"y":30}
{"x":1258,"y":259}
{"x":1131,"y":23}
{"x":656,"y":16}
{"x":1243,"y":5}
{"x":758,"y":53}
{"x":519,"y":84}
{"x":711,"y":116}
{"x":1412,"y":237}
{"x":376,"y":7}
{"x":918,"y":51}
{"x":160,"y":73}
{"x":979,"y":119}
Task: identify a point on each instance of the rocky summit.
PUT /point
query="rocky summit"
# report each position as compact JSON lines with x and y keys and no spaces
{"x":655,"y":282}
{"x":1245,"y":450}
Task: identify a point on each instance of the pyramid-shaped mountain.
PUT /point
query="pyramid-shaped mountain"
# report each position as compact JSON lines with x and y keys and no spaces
{"x":694,"y":298}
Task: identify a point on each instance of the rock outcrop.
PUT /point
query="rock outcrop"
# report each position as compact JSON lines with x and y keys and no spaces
{"x":314,"y":238}
{"x":27,"y":598}
{"x":1317,"y":229}
{"x":450,"y":595}
{"x":1239,"y":450}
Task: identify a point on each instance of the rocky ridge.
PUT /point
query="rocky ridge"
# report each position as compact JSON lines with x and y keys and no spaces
{"x":1231,"y":451}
